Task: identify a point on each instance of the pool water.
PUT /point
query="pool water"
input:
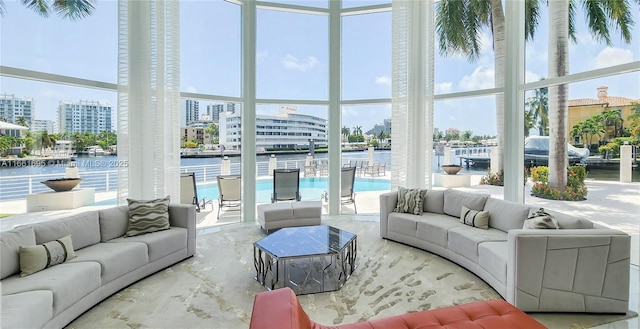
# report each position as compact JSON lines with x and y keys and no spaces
{"x":311,"y":188}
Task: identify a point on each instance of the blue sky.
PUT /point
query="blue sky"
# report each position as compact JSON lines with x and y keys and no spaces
{"x":292,"y":60}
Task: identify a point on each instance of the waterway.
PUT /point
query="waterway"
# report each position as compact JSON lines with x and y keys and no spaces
{"x":106,"y":163}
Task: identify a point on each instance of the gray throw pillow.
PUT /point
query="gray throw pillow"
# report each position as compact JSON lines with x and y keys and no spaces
{"x":475,"y":218}
{"x":147,"y":216}
{"x":37,"y":258}
{"x":540,"y":219}
{"x":410,"y":201}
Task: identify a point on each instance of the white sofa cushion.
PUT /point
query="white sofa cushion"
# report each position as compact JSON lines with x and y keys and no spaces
{"x":161,"y":243}
{"x":475,"y":218}
{"x":115,"y":259}
{"x":113,"y":222}
{"x":492,"y":256}
{"x":10,"y":242}
{"x":506,"y":215}
{"x":16,"y":313}
{"x":69,"y":283}
{"x":434,"y":227}
{"x":454,"y":200}
{"x":83,"y":228}
{"x":434,"y":201}
{"x":464,"y":240}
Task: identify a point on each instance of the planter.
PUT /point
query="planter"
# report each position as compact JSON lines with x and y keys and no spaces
{"x":451,"y":169}
{"x":62,"y":184}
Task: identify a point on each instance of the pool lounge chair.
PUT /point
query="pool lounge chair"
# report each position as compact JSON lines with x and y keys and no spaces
{"x":347,"y":180}
{"x":188,"y":190}
{"x":286,"y":185}
{"x":229,"y":191}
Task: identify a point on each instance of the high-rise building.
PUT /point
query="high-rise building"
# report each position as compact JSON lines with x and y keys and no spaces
{"x":41,"y":125}
{"x":191,"y":110}
{"x":232,"y":107}
{"x":12,"y":108}
{"x":213,"y":110}
{"x":84,"y":116}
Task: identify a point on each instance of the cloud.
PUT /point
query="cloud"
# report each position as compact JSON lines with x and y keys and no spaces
{"x":292,"y":62}
{"x":192,"y":89}
{"x":481,"y":78}
{"x":611,"y":56}
{"x":442,"y":88}
{"x":530,"y":76}
{"x":383,"y":80}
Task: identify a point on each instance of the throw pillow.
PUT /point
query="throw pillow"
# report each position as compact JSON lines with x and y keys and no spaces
{"x":475,"y":218}
{"x":37,"y":258}
{"x":540,"y":219}
{"x":410,"y":200}
{"x":147,"y":216}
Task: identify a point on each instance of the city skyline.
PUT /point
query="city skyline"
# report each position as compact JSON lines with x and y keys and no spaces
{"x":292,"y":61}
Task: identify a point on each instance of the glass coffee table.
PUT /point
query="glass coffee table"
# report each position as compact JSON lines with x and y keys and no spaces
{"x":307,"y":259}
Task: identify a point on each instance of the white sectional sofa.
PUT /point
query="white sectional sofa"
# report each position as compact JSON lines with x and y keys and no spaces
{"x":577,"y":268}
{"x":106,"y":261}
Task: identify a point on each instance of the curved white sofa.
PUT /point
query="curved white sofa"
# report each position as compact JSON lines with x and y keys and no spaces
{"x":105,"y":263}
{"x":577,"y":268}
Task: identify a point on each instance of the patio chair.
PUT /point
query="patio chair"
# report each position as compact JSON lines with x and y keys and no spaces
{"x":347,"y":179}
{"x":188,"y":190}
{"x":229,"y":187}
{"x":286,"y":185}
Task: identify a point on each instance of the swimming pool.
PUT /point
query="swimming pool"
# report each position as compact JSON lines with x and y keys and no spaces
{"x":311,"y":188}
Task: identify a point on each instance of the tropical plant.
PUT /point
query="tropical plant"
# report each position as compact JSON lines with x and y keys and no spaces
{"x":213,"y":131}
{"x":539,"y":110}
{"x":634,"y":119}
{"x":22,"y":121}
{"x":72,"y":10}
{"x":601,"y":17}
{"x":345,"y":133}
{"x":45,"y":141}
{"x":575,"y":190}
{"x":612,"y":118}
{"x":466,"y":135}
{"x":459,"y":25}
{"x":357,"y":130}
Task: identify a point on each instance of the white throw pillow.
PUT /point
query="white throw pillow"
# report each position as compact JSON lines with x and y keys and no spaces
{"x":37,"y":258}
{"x":475,"y":218}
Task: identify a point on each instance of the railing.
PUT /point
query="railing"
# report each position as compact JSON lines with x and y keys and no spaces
{"x":18,"y":187}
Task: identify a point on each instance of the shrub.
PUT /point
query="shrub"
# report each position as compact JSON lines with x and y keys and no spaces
{"x":497,"y":179}
{"x":576,"y":190}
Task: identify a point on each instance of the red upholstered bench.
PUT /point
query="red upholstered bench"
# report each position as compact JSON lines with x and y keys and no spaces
{"x":280,"y":309}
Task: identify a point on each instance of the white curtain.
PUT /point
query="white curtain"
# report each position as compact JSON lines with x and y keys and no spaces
{"x":412,"y":94}
{"x":148,"y":99}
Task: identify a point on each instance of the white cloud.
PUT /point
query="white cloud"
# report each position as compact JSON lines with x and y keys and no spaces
{"x":530,"y":76}
{"x":292,"y":62}
{"x":481,"y":78}
{"x":611,"y":56}
{"x":192,"y":89}
{"x":383,"y":80}
{"x":442,"y":88}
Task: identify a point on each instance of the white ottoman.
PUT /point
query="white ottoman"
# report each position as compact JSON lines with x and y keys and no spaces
{"x":288,"y":214}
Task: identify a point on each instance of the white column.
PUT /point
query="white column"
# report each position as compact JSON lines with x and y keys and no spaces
{"x":225,"y":168}
{"x":273,"y":164}
{"x":514,"y":102}
{"x":447,"y":156}
{"x":335,"y":113}
{"x":148,"y":91}
{"x":626,"y":163}
{"x":370,"y":155}
{"x":248,"y":133}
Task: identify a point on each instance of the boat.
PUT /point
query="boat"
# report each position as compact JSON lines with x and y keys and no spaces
{"x":95,"y":150}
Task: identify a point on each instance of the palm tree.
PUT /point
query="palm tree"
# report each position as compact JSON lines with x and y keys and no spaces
{"x":22,"y":121}
{"x":539,"y":107}
{"x":345,"y":133}
{"x":45,"y":141}
{"x":72,"y":10}
{"x":459,"y":25}
{"x":213,"y":132}
{"x":357,"y":130}
{"x":601,"y":15}
{"x":613,"y":118}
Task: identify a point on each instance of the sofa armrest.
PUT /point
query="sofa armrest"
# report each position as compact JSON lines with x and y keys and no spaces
{"x":279,"y":309}
{"x":569,"y":270}
{"x":388,"y":202}
{"x":184,"y":215}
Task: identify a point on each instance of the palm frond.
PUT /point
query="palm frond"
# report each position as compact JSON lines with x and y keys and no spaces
{"x":531,"y":18}
{"x":619,"y":13}
{"x":572,"y":21}
{"x":74,"y":9}
{"x":597,"y":20}
{"x":41,"y":7}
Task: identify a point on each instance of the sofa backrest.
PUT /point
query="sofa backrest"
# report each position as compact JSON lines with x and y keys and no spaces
{"x":567,"y":221}
{"x":506,"y":215}
{"x":83,"y":228}
{"x":434,"y":201}
{"x":454,"y":200}
{"x":113,"y":222}
{"x":10,"y":242}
